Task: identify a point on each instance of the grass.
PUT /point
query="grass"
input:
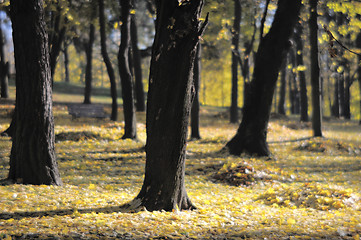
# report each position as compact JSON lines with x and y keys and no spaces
{"x":310,"y":189}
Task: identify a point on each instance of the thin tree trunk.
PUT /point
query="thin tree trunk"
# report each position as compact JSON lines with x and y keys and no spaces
{"x":137,"y":66}
{"x":32,"y":158}
{"x":108,"y":64}
{"x":168,"y":107}
{"x":235,"y":55}
{"x":315,"y":72}
{"x":89,"y":66}
{"x":130,"y":128}
{"x":195,"y":105}
{"x":66,"y":63}
{"x":252,"y":132}
{"x":4,"y":67}
{"x":282,"y":99}
{"x":301,"y":73}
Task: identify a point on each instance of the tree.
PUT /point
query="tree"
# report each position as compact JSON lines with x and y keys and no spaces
{"x":235,"y":56}
{"x":281,"y":102}
{"x":4,"y":67}
{"x":252,"y":132}
{"x":137,"y":66}
{"x":32,"y":158}
{"x":315,"y":72}
{"x":108,"y":64}
{"x":178,"y":30}
{"x":358,"y":45}
{"x":301,"y":72}
{"x":130,"y":128}
{"x":195,"y":104}
{"x":88,"y":46}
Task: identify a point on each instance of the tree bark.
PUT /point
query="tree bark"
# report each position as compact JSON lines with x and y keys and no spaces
{"x":235,"y":55}
{"x":252,"y":132}
{"x":315,"y":72}
{"x":4,"y":68}
{"x":195,"y":134}
{"x":282,"y":99}
{"x":169,"y":100}
{"x":66,"y":63}
{"x":130,"y":128}
{"x":32,"y":158}
{"x":301,"y":73}
{"x":137,"y":66}
{"x":88,"y":69}
{"x":108,"y":63}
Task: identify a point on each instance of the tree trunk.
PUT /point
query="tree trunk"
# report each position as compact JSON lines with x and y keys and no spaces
{"x":358,"y":45}
{"x":282,"y":99}
{"x":89,"y":66}
{"x":347,"y":95}
{"x":336,"y":100}
{"x":301,"y":73}
{"x":32,"y":158}
{"x":168,"y":107}
{"x":315,"y":72}
{"x":130,"y":128}
{"x":235,"y":55}
{"x":137,"y":66}
{"x":66,"y":63}
{"x":252,"y":132}
{"x":4,"y":68}
{"x":108,"y":63}
{"x":195,"y":105}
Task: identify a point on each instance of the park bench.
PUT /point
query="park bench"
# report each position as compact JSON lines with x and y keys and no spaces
{"x":87,"y":111}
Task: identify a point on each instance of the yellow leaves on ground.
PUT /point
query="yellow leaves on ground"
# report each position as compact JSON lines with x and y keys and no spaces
{"x":298,"y":194}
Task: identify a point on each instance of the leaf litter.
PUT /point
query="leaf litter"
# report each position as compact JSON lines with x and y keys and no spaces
{"x":299,"y":194}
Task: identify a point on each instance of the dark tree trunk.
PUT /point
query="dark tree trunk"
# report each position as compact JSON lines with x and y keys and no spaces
{"x":294,"y":93}
{"x":137,"y":66}
{"x":315,"y":72}
{"x":195,"y":105}
{"x":130,"y":128}
{"x":4,"y":68}
{"x":108,"y":63}
{"x":235,"y":55}
{"x":336,"y":100}
{"x":88,"y":69}
{"x":56,"y":38}
{"x":347,"y":95}
{"x":301,"y":73}
{"x":282,"y":99}
{"x":252,"y":132}
{"x":66,"y":63}
{"x":169,"y":103}
{"x":32,"y":158}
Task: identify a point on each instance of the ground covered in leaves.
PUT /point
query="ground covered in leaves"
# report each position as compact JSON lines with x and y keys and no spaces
{"x":309,"y":189}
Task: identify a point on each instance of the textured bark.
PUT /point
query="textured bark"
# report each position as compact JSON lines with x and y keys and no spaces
{"x":168,"y":107}
{"x":32,"y":158}
{"x":301,"y":74}
{"x":137,"y":67}
{"x":130,"y":128}
{"x":88,"y":69}
{"x":108,"y":63}
{"x":252,"y":132}
{"x":235,"y":55}
{"x":195,"y":134}
{"x":315,"y":72}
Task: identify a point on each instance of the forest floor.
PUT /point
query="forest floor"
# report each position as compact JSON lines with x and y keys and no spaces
{"x":309,"y":189}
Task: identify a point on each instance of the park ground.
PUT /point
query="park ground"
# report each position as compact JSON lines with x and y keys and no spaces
{"x":309,"y":189}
